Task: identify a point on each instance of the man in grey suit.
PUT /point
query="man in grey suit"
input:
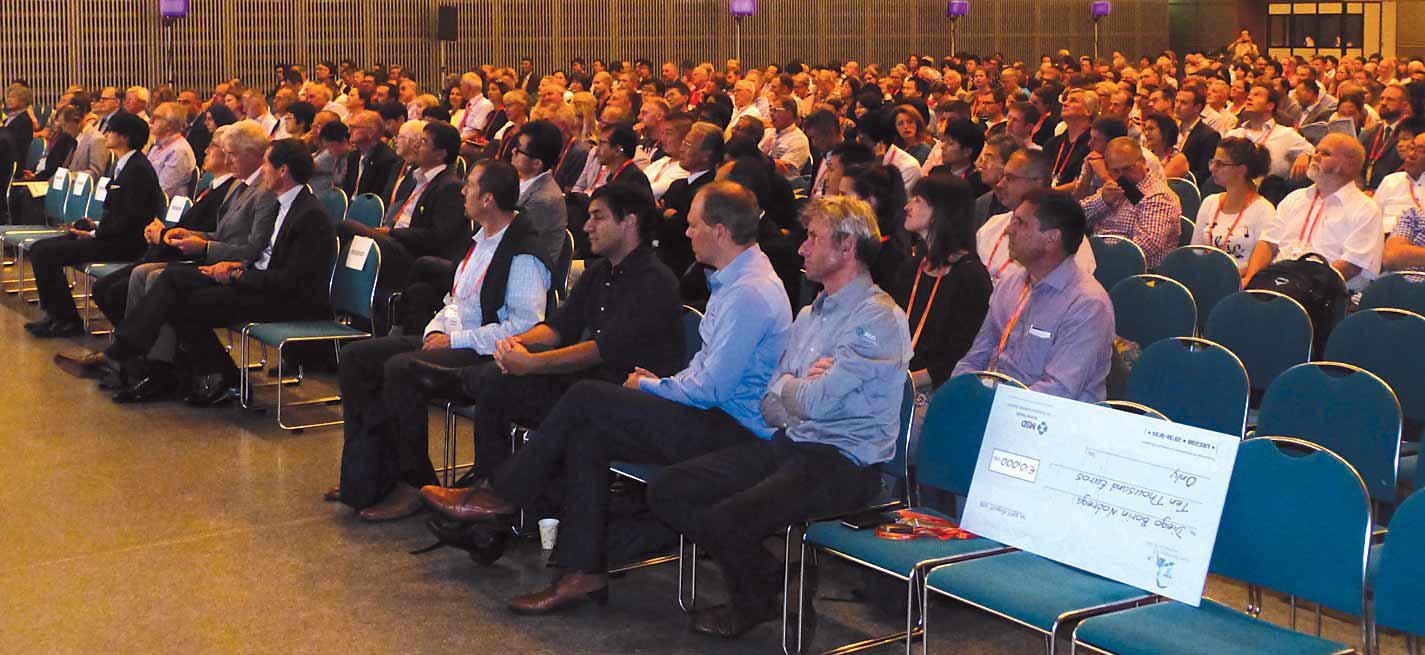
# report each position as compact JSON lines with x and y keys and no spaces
{"x":535,"y":155}
{"x":244,"y":228}
{"x":90,"y":156}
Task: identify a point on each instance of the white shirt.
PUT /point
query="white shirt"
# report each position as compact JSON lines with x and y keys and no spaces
{"x":284,"y":203}
{"x":662,"y":174}
{"x":993,"y":248}
{"x":1236,"y":234}
{"x":1284,"y":144}
{"x":477,"y":115}
{"x":1345,"y":225}
{"x":337,"y":108}
{"x":524,"y":298}
{"x":269,"y":124}
{"x":423,"y":179}
{"x":749,"y":110}
{"x":1221,"y":121}
{"x":119,"y":165}
{"x":789,"y":145}
{"x":905,"y":163}
{"x":1397,"y":193}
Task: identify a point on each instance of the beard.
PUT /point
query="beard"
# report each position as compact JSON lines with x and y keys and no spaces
{"x":1314,"y":172}
{"x":1389,"y":116}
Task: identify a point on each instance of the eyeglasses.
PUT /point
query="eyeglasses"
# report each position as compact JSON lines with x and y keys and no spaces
{"x":1219,"y":163}
{"x":524,"y":152}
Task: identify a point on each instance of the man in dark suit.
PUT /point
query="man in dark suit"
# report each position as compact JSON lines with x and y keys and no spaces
{"x":369,"y":165}
{"x":537,"y":151}
{"x":1382,"y":157}
{"x":528,"y":81}
{"x":702,"y":153}
{"x":132,"y":200}
{"x":1197,"y":140}
{"x":18,"y":121}
{"x":286,"y":281}
{"x":572,"y":158}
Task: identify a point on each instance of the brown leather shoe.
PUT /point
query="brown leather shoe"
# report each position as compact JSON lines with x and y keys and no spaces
{"x":434,"y":494}
{"x":332,"y":495}
{"x":478,"y":505}
{"x":569,"y":590}
{"x":402,"y":502}
{"x":730,"y":621}
{"x":91,"y":366}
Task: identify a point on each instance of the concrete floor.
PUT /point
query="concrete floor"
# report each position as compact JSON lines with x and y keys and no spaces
{"x":166,"y":529}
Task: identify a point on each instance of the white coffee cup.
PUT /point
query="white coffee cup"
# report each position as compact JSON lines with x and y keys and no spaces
{"x":548,"y":532}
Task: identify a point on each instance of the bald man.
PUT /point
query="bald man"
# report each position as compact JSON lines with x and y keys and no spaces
{"x":1331,"y":217}
{"x":1151,"y":217}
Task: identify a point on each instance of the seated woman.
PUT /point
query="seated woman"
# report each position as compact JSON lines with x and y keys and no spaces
{"x":1160,"y":137}
{"x":880,"y":186}
{"x":1233,"y":220}
{"x":911,"y":134}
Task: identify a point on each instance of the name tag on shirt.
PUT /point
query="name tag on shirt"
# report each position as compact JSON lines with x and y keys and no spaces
{"x":1036,"y":332}
{"x":360,"y":249}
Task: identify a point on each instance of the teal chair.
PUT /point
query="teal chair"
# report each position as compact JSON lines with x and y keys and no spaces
{"x":1399,"y":588}
{"x":334,"y":202}
{"x":204,"y":181}
{"x":352,"y":292}
{"x":1117,"y":259}
{"x":1270,"y":332}
{"x":367,"y":209}
{"x":1130,"y":407}
{"x":1372,"y":339}
{"x":1210,"y":274}
{"x":1402,"y":290}
{"x":1193,"y":381}
{"x":56,"y":196}
{"x":1297,"y":520}
{"x":943,"y":459}
{"x":81,"y":192}
{"x":1188,"y":195}
{"x":1187,"y":227}
{"x":1149,"y":308}
{"x":1344,"y":408}
{"x":32,"y":158}
{"x":559,"y":277}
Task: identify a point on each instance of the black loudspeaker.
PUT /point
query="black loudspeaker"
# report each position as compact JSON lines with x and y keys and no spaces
{"x":446,"y":21}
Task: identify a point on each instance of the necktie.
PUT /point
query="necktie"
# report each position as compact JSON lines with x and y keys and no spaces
{"x":228,"y":202}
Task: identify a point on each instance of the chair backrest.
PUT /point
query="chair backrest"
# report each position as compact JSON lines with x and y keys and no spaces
{"x":367,"y":209}
{"x":898,"y":465}
{"x":1297,"y":520}
{"x":334,"y":202}
{"x":1192,"y":381}
{"x":1130,"y":407}
{"x":1386,"y":342}
{"x":1342,"y":407}
{"x":57,"y":194}
{"x":1399,"y":601}
{"x":353,"y":289}
{"x":204,"y":181}
{"x":177,"y":207}
{"x":1117,"y":259}
{"x":561,"y":269}
{"x":460,"y":167}
{"x":32,"y":158}
{"x":692,"y":339}
{"x":1186,"y":231}
{"x":1270,"y":332}
{"x":1188,"y":194}
{"x":1147,"y":308}
{"x":81,"y":191}
{"x":953,"y":430}
{"x":1403,"y":290}
{"x":96,"y":204}
{"x":1210,"y":274}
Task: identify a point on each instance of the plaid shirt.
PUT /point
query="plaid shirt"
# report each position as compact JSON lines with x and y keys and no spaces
{"x":1154,"y":223}
{"x":1411,"y":227}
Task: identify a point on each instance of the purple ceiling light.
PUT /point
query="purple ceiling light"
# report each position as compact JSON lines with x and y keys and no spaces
{"x":957,"y":9}
{"x":742,"y":8}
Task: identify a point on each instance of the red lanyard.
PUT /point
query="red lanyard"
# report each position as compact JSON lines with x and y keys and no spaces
{"x":1211,"y":227}
{"x":564,"y":154}
{"x":1037,"y":124}
{"x":1268,"y":127}
{"x":1377,"y":149}
{"x":1060,"y":164}
{"x":1013,"y":319}
{"x":1007,"y":261}
{"x":615,"y":175}
{"x":910,"y":304}
{"x":455,"y":290}
{"x":415,"y":194}
{"x":1311,"y":221}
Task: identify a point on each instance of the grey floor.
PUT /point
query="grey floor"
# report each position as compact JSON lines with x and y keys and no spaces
{"x":165,"y":529}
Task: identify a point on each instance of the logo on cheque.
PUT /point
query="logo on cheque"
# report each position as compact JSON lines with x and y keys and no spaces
{"x":1035,"y":426}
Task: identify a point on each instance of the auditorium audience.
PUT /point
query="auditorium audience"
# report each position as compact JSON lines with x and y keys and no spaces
{"x":169,"y":153}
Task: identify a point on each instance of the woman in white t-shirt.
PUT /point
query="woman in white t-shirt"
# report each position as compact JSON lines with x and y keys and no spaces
{"x":1232,"y":221}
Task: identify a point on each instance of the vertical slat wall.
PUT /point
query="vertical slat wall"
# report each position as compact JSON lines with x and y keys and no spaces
{"x":56,"y":42}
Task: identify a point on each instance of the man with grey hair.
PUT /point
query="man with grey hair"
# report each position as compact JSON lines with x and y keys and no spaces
{"x":834,"y":402}
{"x":478,"y":108}
{"x":1134,"y":203}
{"x":136,"y":101}
{"x":744,"y":103}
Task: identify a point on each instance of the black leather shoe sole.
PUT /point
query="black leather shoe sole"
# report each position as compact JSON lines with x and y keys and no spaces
{"x":58,"y":330}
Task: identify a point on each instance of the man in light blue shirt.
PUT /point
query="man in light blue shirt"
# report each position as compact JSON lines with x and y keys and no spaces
{"x":710,"y":405}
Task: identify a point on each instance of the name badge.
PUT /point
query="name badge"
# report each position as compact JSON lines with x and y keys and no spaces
{"x":1038,"y":333}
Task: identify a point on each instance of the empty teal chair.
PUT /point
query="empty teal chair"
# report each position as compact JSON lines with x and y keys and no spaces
{"x":1270,"y":332}
{"x":943,"y":459}
{"x":366,"y":209}
{"x":1117,"y":259}
{"x":57,"y":195}
{"x":1387,"y":342}
{"x":1344,"y":408}
{"x":1210,"y":274}
{"x":1402,"y":290}
{"x":81,"y":191}
{"x":1188,"y":195}
{"x":1187,"y":227}
{"x":1399,"y":590}
{"x":334,"y":201}
{"x":1148,"y":308}
{"x":1297,"y":520}
{"x":352,"y":291}
{"x":1192,"y":381}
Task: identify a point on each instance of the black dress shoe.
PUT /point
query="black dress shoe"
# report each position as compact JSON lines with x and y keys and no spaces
{"x":58,"y":329}
{"x":730,"y":621}
{"x":35,"y":325}
{"x":212,"y":390}
{"x":153,"y":387}
{"x":440,"y":382}
{"x":91,"y":366}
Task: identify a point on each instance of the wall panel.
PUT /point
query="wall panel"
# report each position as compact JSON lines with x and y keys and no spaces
{"x":122,"y":42}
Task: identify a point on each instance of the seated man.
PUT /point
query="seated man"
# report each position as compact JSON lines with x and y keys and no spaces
{"x":1025,"y":171}
{"x":1149,"y":214}
{"x":1405,"y":246}
{"x":500,"y":290}
{"x":133,"y":200}
{"x":709,"y":405}
{"x":537,"y":148}
{"x":623,"y":314}
{"x":1405,"y":188}
{"x":1332,"y":218}
{"x":835,"y":403}
{"x":1050,"y":325}
{"x":701,"y":150}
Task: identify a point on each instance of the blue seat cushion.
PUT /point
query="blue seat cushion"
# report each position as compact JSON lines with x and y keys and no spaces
{"x":275,"y":333}
{"x":103,"y":269}
{"x":20,"y":239}
{"x":641,"y":472}
{"x":895,"y":557}
{"x":1215,"y":628}
{"x":1028,"y":588}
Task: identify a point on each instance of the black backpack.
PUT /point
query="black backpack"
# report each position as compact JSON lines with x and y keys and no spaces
{"x":1311,"y":281}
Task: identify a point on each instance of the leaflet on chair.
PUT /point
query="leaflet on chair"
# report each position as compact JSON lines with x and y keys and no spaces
{"x":356,"y":256}
{"x":1128,"y":497}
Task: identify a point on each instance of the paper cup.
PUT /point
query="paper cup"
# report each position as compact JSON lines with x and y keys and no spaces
{"x":548,"y":532}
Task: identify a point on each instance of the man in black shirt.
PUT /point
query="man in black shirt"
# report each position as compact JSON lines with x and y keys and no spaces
{"x":1070,"y":147}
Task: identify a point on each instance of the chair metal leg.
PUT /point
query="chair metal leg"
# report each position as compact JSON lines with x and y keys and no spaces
{"x":687,"y":567}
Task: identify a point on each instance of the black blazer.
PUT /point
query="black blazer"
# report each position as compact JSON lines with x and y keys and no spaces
{"x":199,"y":138}
{"x":569,"y":170}
{"x":58,"y":154}
{"x":299,"y":273}
{"x":22,"y":131}
{"x":378,"y":170}
{"x":633,"y":176}
{"x":438,"y":223}
{"x":673,"y":246}
{"x":201,"y":217}
{"x":1199,"y":147}
{"x":1388,"y":158}
{"x":134,"y":199}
